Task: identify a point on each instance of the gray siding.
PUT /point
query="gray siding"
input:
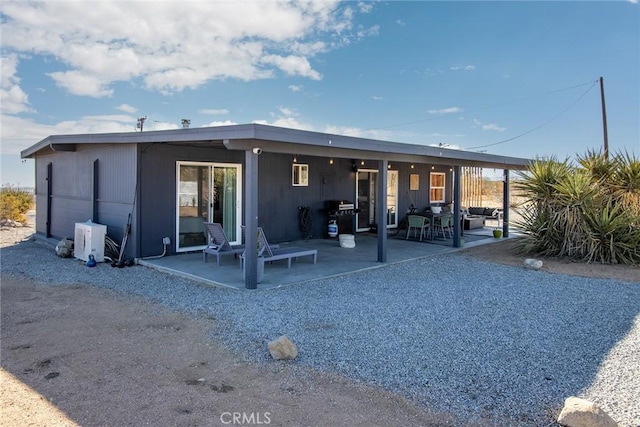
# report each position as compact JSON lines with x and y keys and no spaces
{"x":72,"y":189}
{"x":157,"y":203}
{"x":154,"y":208}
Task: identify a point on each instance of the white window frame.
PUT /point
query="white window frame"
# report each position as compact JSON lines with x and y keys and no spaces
{"x":437,"y":187}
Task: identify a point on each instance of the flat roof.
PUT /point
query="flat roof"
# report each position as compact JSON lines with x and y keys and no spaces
{"x":291,"y":141}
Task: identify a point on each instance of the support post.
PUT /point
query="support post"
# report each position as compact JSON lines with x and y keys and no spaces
{"x":381,"y":210}
{"x":94,"y":196}
{"x":505,"y":203}
{"x":251,"y":220}
{"x":49,"y":197}
{"x":456,"y":207}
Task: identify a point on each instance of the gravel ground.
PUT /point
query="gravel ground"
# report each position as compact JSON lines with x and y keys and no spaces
{"x":485,"y":341}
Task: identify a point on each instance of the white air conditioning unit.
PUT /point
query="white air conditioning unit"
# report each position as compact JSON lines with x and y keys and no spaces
{"x":89,"y":240}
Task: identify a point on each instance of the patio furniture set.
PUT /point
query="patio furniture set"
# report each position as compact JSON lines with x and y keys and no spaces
{"x":431,"y":225}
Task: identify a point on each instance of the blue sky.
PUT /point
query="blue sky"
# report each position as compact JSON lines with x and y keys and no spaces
{"x":512,"y":78}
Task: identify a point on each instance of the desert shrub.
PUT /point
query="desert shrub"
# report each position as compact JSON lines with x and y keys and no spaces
{"x":14,"y":204}
{"x":590,"y":211}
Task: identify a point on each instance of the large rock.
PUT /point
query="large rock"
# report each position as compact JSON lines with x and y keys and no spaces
{"x":283,"y":348}
{"x":582,"y":413}
{"x":533,"y":264}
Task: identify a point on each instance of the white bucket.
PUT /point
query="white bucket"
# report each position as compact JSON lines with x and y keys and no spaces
{"x":347,"y":241}
{"x":436,"y":209}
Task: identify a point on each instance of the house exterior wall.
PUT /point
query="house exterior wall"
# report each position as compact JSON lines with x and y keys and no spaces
{"x":154,"y":207}
{"x":278,"y":199}
{"x":157,"y":197}
{"x":72,"y":189}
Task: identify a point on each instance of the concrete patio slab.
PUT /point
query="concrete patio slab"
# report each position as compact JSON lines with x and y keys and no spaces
{"x":333,"y":260}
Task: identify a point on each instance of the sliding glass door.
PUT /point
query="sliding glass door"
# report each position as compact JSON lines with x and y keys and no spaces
{"x":207,"y":192}
{"x":366,"y":191}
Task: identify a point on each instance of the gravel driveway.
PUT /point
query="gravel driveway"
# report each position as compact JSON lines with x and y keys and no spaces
{"x":485,"y":341}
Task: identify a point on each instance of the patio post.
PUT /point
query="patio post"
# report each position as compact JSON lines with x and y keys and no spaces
{"x":505,"y":203}
{"x":381,"y":210}
{"x":251,"y":219}
{"x":456,"y":207}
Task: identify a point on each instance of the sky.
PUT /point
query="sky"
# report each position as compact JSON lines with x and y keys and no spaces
{"x":504,"y":77}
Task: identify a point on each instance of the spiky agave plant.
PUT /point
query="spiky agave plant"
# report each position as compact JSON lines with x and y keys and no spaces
{"x":591,"y":212}
{"x":625,"y":185}
{"x":575,"y":195}
{"x":612,"y":237}
{"x":537,"y":211}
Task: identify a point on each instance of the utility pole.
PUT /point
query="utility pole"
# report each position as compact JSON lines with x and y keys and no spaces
{"x":604,"y":120}
{"x":140,"y":124}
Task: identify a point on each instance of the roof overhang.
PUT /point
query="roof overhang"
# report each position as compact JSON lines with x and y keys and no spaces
{"x":289,"y":141}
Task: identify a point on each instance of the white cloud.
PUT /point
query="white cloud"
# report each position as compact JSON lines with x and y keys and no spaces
{"x":295,"y":88}
{"x":220,"y":123}
{"x":365,"y":7}
{"x":449,"y":110}
{"x":444,"y":135}
{"x":462,"y":67}
{"x":81,"y":83}
{"x":286,"y":122}
{"x":293,"y":65}
{"x":377,"y":98}
{"x":287,"y":112}
{"x":400,"y":22}
{"x":14,"y":99}
{"x":126,"y":108}
{"x":173,"y":45}
{"x":489,"y":126}
{"x":19,"y":133}
{"x":213,"y":111}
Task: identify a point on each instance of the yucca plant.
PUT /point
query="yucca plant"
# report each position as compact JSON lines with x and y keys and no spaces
{"x":625,"y":185}
{"x":589,"y":212}
{"x":612,"y":239}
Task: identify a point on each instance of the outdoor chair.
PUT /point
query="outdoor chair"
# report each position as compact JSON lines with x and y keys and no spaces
{"x":218,"y":243}
{"x":271,"y":253}
{"x":443,"y":224}
{"x":415,"y":222}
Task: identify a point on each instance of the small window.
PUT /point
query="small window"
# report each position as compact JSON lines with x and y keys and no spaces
{"x":300,"y":175}
{"x":436,"y":190}
{"x":414,"y":182}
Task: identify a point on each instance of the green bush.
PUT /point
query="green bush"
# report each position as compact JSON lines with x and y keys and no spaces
{"x":590,"y":211}
{"x":14,"y":204}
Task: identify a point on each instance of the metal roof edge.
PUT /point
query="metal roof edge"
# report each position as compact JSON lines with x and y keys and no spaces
{"x":257,"y":131}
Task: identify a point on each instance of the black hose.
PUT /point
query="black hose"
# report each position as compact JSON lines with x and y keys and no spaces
{"x":304,"y":221}
{"x":111,"y":248}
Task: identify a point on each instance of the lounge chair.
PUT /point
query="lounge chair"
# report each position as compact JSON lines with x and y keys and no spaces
{"x":218,"y":243}
{"x":271,"y":253}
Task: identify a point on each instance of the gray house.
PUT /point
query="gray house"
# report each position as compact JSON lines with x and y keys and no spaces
{"x":170,"y":181}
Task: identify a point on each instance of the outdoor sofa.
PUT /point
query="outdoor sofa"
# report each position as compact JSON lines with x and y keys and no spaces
{"x":485,"y":213}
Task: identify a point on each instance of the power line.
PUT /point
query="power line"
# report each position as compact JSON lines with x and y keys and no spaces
{"x":539,"y":126}
{"x":591,"y":82}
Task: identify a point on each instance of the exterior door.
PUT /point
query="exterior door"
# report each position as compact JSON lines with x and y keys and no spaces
{"x":366,"y":190}
{"x":207,"y":192}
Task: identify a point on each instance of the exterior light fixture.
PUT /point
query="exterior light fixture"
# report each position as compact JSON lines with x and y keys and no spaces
{"x":330,"y":161}
{"x":412,"y":166}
